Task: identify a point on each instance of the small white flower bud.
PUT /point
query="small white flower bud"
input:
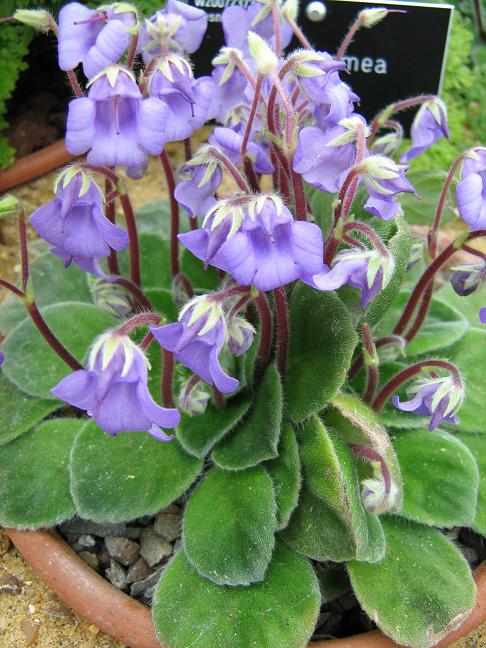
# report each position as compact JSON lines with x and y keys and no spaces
{"x":39,"y":19}
{"x":265,"y":59}
{"x":9,"y":206}
{"x":371,"y":17}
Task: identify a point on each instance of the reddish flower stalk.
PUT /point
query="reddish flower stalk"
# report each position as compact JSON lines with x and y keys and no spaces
{"x":403,"y":376}
{"x":276,"y":28}
{"x":218,"y":398}
{"x":387,"y":112}
{"x":251,"y":116}
{"x":299,"y":34}
{"x":113,"y":265}
{"x":142,"y":319}
{"x":50,"y":338}
{"x":132,"y":52}
{"x":440,"y":208}
{"x":369,"y":454}
{"x":174,"y":214}
{"x":236,"y":175}
{"x":282,"y":311}
{"x":382,"y":342}
{"x":265,"y":346}
{"x":73,"y":80}
{"x":24,"y":255}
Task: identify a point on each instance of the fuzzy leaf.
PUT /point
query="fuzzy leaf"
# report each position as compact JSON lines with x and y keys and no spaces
{"x":34,"y":479}
{"x":52,"y":283}
{"x":256,"y":439}
{"x":115,"y":479}
{"x":443,"y":327}
{"x":421,"y":590}
{"x":19,"y":412}
{"x":153,"y":217}
{"x":163,"y":302}
{"x":359,"y":425}
{"x":469,"y":354}
{"x":32,"y":365}
{"x":154,"y":262}
{"x":280,"y":611}
{"x":399,"y":245}
{"x":198,"y":434}
{"x":428,"y":184}
{"x":229,"y":526}
{"x":285,"y":473}
{"x":322,"y":341}
{"x":200,"y":278}
{"x":440,"y":478}
{"x":330,"y":522}
{"x":468,"y":306}
{"x":477,"y":445}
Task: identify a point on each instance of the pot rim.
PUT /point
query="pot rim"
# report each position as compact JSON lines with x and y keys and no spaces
{"x":120,"y":616}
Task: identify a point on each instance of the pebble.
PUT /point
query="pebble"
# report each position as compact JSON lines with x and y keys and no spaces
{"x":30,"y":630}
{"x":124,"y":550}
{"x":116,"y":575}
{"x":3,"y":625}
{"x":90,"y":559}
{"x":78,"y":525}
{"x":104,"y":556}
{"x":153,"y":548}
{"x":168,"y":525}
{"x":133,"y":532}
{"x":138,"y":572}
{"x":146,"y":588}
{"x":10,"y":584}
{"x":87,"y":541}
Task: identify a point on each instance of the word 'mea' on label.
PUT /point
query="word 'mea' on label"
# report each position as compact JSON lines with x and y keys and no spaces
{"x":367,"y":64}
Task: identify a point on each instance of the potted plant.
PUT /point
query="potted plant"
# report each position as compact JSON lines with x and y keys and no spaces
{"x":318,"y":370}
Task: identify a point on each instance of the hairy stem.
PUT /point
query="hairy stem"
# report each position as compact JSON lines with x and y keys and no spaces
{"x":50,"y":338}
{"x":282,"y":311}
{"x":174,"y":214}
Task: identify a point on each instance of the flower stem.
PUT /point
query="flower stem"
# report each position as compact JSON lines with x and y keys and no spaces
{"x":24,"y":255}
{"x":281,"y":308}
{"x":113,"y":265}
{"x":132,"y":236}
{"x":174,"y":214}
{"x":132,"y":51}
{"x":251,"y":116}
{"x":401,"y":377}
{"x":299,"y":34}
{"x":265,"y":346}
{"x":218,"y":398}
{"x":276,"y":28}
{"x":369,"y":454}
{"x":349,"y":37}
{"x":382,"y":342}
{"x":167,"y":374}
{"x":440,"y":208}
{"x":369,"y":232}
{"x":73,"y":80}
{"x":220,"y":157}
{"x":422,"y":313}
{"x":392,"y":109}
{"x":371,"y":360}
{"x":6,"y":284}
{"x":141,"y":319}
{"x":50,"y":338}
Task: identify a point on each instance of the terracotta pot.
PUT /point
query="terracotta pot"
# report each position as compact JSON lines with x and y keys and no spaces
{"x":96,"y":600}
{"x":34,"y":165}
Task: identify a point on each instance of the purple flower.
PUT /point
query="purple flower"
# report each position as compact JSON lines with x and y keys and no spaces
{"x":2,"y":358}
{"x":74,"y":224}
{"x":228,"y":92}
{"x":482,"y":315}
{"x":257,"y":241}
{"x":178,"y":26}
{"x":94,"y":37}
{"x":196,"y":197}
{"x":368,"y":270}
{"x":471,"y":190}
{"x":333,"y":102}
{"x":113,"y":390}
{"x":324,"y":159}
{"x":237,"y":22}
{"x":384,"y":180}
{"x":230,"y":142}
{"x":197,"y":339}
{"x":186,"y":98}
{"x":439,"y":398}
{"x":429,"y":125}
{"x":114,"y":124}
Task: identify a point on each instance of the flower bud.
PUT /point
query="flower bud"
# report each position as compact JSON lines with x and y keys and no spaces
{"x":375,"y":498}
{"x":371,"y":17}
{"x":387,"y":144}
{"x":9,"y":206}
{"x":465,"y":279}
{"x":264,"y":57}
{"x":39,"y":19}
{"x":240,"y":335}
{"x":110,"y":297}
{"x":291,"y":9}
{"x":193,"y":399}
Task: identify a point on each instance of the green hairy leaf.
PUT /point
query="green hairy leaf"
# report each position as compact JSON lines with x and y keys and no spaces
{"x":280,"y":611}
{"x":154,"y":262}
{"x":423,"y":588}
{"x":440,"y":478}
{"x":322,"y":341}
{"x":116,"y":479}
{"x":428,"y":184}
{"x":477,"y":445}
{"x":34,"y":478}
{"x":285,"y":473}
{"x":229,"y":526}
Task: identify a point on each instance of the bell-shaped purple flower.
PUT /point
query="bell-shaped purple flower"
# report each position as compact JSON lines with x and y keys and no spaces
{"x":186,"y":98}
{"x":471,"y":190}
{"x":194,"y":193}
{"x":179,"y":26}
{"x":74,"y":224}
{"x":237,"y":22}
{"x":324,"y":159}
{"x":429,"y":125}
{"x":197,"y":339}
{"x":228,"y":91}
{"x":440,"y":398}
{"x":230,"y":142}
{"x":334,"y":102}
{"x":257,"y":241}
{"x":384,"y":180}
{"x":114,"y":124}
{"x":94,"y":37}
{"x":113,"y":389}
{"x":368,"y":270}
